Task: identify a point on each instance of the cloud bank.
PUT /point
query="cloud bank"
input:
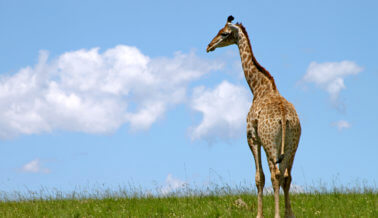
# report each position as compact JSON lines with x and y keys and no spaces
{"x":330,"y":76}
{"x":93,"y":92}
{"x":172,"y":184}
{"x":224,"y":110}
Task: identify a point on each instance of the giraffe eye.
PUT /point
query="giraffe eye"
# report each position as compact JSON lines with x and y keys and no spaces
{"x":225,"y":34}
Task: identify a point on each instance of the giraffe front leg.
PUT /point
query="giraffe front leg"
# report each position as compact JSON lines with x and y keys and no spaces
{"x":259,"y":177}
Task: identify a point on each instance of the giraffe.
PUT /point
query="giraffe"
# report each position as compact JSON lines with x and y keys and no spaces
{"x":272,"y":121}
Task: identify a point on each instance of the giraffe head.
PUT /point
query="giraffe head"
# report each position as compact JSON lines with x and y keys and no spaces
{"x":226,"y":36}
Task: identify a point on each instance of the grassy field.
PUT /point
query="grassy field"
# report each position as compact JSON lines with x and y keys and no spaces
{"x":315,"y":204}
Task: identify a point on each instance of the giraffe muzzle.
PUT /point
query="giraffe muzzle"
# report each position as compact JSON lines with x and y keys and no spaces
{"x":210,"y":48}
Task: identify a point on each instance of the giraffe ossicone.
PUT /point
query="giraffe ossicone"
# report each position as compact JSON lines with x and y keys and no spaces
{"x":230,"y":18}
{"x":272,"y":121}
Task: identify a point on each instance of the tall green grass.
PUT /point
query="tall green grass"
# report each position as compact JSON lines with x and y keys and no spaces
{"x":187,"y":202}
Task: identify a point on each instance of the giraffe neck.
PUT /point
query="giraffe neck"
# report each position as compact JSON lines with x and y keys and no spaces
{"x":259,"y":79}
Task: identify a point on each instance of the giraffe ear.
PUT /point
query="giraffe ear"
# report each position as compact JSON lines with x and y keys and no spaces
{"x":233,"y":27}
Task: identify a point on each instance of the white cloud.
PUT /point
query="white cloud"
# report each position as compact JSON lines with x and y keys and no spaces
{"x":294,"y":189}
{"x":34,"y":166}
{"x":171,"y":184}
{"x":94,"y":92}
{"x":224,"y":111}
{"x":330,"y":76}
{"x":297,"y":189}
{"x":342,"y":124}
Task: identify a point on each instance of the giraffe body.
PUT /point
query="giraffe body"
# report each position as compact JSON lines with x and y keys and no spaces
{"x":272,"y":122}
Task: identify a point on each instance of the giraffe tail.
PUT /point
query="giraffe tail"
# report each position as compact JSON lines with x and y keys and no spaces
{"x":283,"y":126}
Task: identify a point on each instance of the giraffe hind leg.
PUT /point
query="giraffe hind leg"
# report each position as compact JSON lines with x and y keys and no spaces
{"x":286,"y":183}
{"x":275,"y":176}
{"x":286,"y":187}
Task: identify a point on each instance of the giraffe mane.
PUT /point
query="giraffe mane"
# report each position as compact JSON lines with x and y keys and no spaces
{"x":257,"y":64}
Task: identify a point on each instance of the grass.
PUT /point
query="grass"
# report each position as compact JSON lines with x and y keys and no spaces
{"x":218,"y":203}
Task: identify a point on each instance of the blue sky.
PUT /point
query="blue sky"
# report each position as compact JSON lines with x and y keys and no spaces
{"x":109,"y":94}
